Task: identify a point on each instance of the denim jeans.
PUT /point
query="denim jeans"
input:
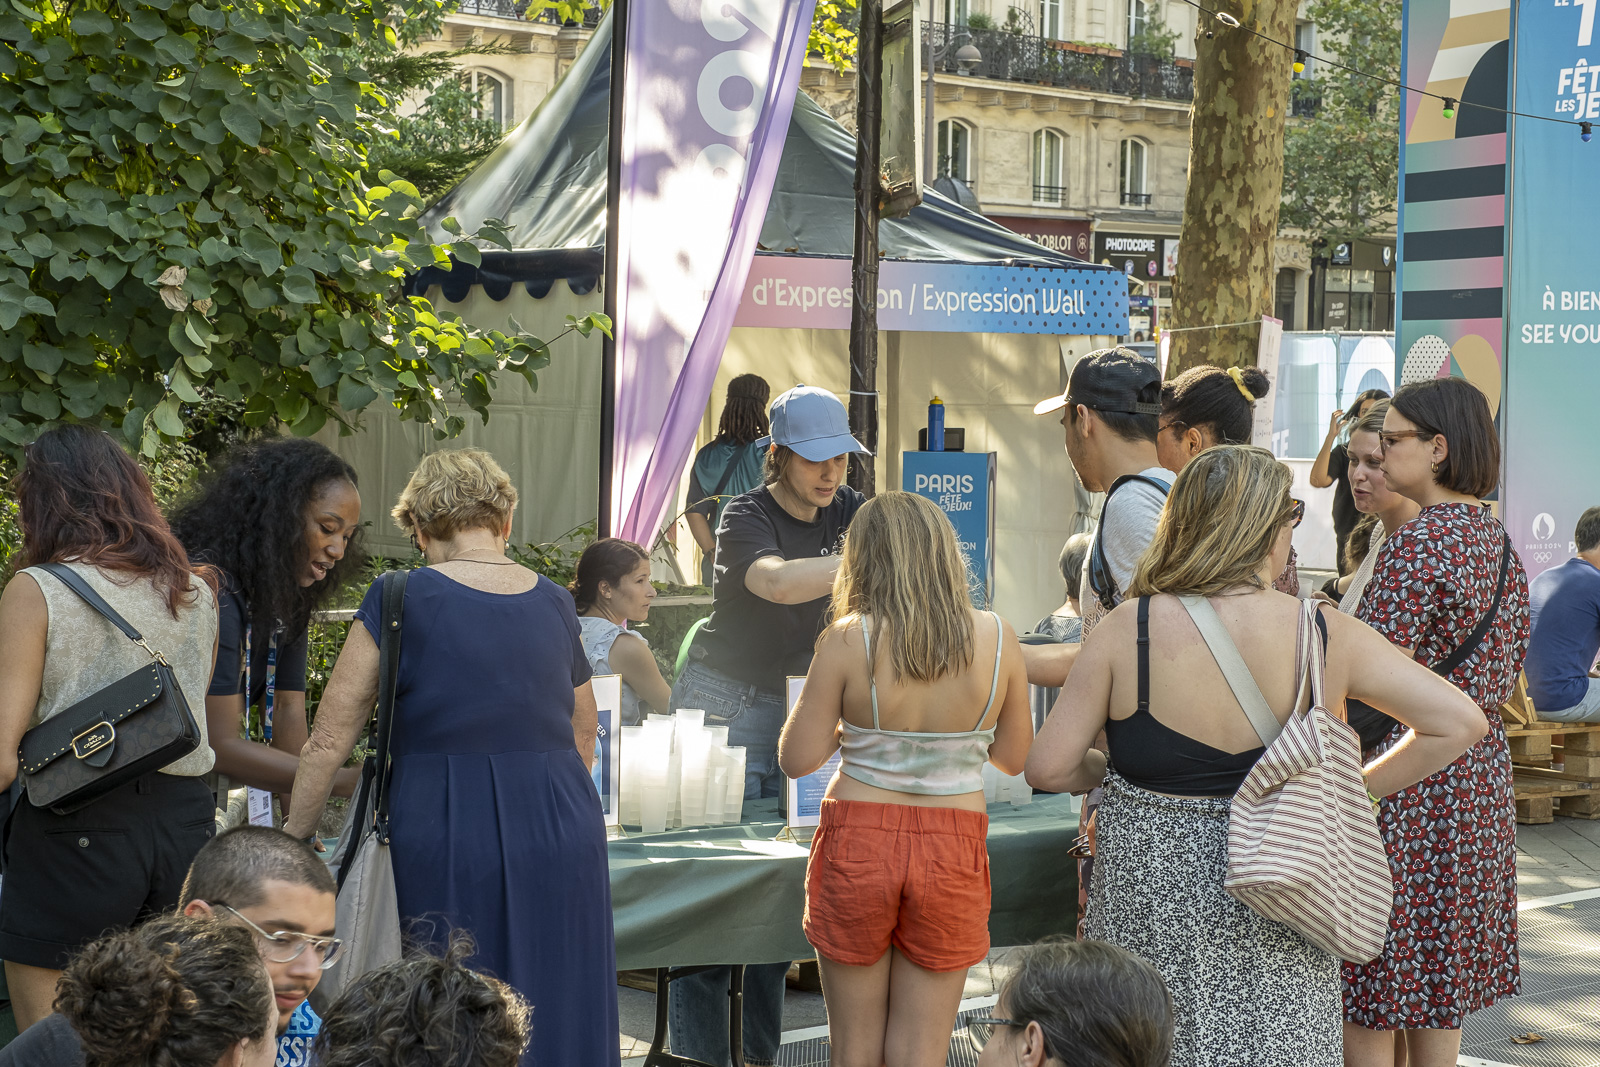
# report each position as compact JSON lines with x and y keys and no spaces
{"x":698,"y":1005}
{"x":1585,"y":710}
{"x":753,"y":716}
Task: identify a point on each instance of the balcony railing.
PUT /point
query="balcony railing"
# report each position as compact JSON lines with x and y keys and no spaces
{"x":1136,"y":199}
{"x":1041,"y":61}
{"x":1049,"y":194}
{"x":518,"y":9}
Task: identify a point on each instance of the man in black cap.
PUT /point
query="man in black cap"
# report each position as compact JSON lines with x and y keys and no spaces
{"x":1109,"y":412}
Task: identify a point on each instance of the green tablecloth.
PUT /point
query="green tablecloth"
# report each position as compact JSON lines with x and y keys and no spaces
{"x":733,"y":894}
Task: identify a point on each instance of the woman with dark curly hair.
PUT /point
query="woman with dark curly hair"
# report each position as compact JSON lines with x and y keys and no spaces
{"x":281,"y":519}
{"x":425,"y":1011}
{"x":177,"y":991}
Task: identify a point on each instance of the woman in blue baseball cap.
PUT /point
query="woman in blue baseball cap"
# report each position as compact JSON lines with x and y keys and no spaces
{"x":777,"y":554}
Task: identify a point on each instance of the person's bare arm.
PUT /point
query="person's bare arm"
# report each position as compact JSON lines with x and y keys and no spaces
{"x":1048,"y":665}
{"x":1014,"y":728}
{"x":811,"y":732}
{"x":585,"y":722}
{"x":631,"y":658}
{"x":1063,"y":758}
{"x":271,"y":767}
{"x":700,"y":530}
{"x":791,"y":581}
{"x":346,"y":706}
{"x":1319,"y":466}
{"x":1444,"y":721}
{"x":24,"y":627}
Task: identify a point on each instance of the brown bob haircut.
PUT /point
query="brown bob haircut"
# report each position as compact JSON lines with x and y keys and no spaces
{"x":1457,"y":410}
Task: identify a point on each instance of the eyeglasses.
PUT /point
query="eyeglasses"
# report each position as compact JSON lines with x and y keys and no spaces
{"x":1389,"y":440}
{"x":981,"y":1030}
{"x":287,"y":945}
{"x":1297,"y":512}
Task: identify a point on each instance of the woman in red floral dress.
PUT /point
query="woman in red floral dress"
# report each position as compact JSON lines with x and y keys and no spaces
{"x":1452,"y":946}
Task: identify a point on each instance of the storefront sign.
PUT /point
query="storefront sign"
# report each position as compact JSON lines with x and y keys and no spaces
{"x":1138,"y":255}
{"x":608,"y":744}
{"x":962,"y":484}
{"x":814,"y":293}
{"x":1061,"y":235}
{"x":802,"y":801}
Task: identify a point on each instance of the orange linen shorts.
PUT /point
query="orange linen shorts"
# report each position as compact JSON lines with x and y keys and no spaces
{"x":883,"y":874}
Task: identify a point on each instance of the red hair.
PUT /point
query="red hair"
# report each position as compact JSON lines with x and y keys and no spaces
{"x":84,"y":500}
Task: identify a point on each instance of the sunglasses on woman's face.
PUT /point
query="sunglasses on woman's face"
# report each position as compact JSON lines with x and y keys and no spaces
{"x":1297,"y":512}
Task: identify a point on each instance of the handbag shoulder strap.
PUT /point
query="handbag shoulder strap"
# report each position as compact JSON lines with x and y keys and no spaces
{"x":1313,"y":656}
{"x":1240,"y":680}
{"x":394,"y":597}
{"x":74,"y":581}
{"x":1446,"y":667}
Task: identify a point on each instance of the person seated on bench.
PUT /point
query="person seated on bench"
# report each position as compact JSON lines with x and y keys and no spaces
{"x":1565,"y":606}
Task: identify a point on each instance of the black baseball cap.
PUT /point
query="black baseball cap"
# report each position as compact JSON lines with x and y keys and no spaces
{"x":1109,"y":379}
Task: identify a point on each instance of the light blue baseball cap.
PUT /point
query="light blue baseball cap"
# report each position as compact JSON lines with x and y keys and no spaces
{"x":813,"y":423}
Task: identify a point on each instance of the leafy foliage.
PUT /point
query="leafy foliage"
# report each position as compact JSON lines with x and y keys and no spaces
{"x":833,"y":32}
{"x":183,"y":218}
{"x":1156,"y":38}
{"x":1341,"y":165}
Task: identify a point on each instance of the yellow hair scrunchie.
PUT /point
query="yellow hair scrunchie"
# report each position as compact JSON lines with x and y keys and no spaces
{"x":1238,"y":379}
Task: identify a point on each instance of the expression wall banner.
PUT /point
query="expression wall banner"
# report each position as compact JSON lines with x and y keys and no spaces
{"x":708,"y":91}
{"x":1452,"y":242}
{"x":1553,"y":314}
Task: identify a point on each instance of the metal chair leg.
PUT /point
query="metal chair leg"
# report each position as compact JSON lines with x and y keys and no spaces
{"x":736,"y":1014}
{"x":658,"y":1056}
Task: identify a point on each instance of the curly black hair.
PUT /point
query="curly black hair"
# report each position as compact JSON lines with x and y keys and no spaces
{"x":247,"y":518}
{"x":425,"y":1011}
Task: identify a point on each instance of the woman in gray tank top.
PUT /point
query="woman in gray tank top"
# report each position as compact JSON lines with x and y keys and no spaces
{"x":70,"y":878}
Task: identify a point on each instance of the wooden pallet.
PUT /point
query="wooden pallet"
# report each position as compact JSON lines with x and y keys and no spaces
{"x":1551,"y":779}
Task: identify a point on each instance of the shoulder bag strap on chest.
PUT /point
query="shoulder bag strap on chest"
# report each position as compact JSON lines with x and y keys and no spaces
{"x":394,"y":596}
{"x":1239,"y":678}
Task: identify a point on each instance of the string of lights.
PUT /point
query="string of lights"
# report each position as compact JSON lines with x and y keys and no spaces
{"x":1302,"y":56}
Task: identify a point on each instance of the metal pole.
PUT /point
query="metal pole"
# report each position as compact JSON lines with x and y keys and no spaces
{"x":608,"y":346}
{"x":930,"y":129}
{"x":864,"y":264}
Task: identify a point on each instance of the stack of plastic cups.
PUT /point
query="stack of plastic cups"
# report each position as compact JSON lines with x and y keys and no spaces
{"x":1021,"y":791}
{"x":991,"y":784}
{"x":655,"y":748}
{"x":629,"y":773}
{"x":733,"y":810}
{"x":717,"y":776}
{"x":694,"y":745}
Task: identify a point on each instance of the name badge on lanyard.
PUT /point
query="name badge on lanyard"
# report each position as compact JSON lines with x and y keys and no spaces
{"x":259,"y":801}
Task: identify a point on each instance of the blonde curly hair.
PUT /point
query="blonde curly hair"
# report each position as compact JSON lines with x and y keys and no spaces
{"x":455,"y":490}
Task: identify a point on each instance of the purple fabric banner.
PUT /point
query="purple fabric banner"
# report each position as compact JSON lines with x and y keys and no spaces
{"x":709,"y":89}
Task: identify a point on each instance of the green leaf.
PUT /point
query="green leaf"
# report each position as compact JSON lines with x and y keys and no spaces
{"x":181,"y":386}
{"x":210,"y":18}
{"x":467,"y":253}
{"x":313,"y":420}
{"x":86,"y":23}
{"x":41,"y":402}
{"x":355,"y":395}
{"x":451,"y":226}
{"x":167,"y":419}
{"x":46,"y":359}
{"x":146,"y":24}
{"x":194,"y":175}
{"x":242,"y":123}
{"x":300,"y":286}
{"x":266,"y":252}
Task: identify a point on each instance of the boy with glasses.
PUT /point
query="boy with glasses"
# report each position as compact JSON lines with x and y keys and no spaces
{"x":273,"y":884}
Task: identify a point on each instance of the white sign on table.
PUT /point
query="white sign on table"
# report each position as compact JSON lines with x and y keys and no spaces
{"x":608,"y":744}
{"x":803,"y":804}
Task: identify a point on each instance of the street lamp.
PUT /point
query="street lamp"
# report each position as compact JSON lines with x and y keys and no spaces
{"x":967,"y":59}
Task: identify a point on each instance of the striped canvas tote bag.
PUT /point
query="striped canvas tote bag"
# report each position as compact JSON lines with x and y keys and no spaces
{"x":1304,"y":847}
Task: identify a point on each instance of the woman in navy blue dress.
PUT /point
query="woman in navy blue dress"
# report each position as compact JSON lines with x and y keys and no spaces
{"x":496,"y":824}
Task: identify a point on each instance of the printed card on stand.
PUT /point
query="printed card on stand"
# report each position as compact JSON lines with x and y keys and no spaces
{"x":803,"y":796}
{"x":608,"y":744}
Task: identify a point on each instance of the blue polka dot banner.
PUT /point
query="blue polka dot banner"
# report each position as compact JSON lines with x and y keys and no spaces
{"x":814,"y":293}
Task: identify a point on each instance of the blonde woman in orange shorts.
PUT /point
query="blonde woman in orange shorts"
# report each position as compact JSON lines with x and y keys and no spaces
{"x":917,"y":691}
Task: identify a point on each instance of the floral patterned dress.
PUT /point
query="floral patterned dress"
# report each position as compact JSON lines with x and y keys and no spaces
{"x":1452,"y":946}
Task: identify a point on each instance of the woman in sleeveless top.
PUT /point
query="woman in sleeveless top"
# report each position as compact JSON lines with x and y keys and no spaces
{"x":1245,"y":989}
{"x":915,"y":690}
{"x":611,"y":589}
{"x":69,"y":878}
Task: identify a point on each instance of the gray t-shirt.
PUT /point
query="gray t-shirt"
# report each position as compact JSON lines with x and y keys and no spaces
{"x":50,"y":1042}
{"x":1127,"y":526}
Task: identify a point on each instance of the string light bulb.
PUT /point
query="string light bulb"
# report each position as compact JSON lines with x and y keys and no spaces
{"x":1449,"y":107}
{"x":1227,"y":20}
{"x":1586,"y":130}
{"x":1299,"y":60}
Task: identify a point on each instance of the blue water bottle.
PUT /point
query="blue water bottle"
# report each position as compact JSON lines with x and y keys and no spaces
{"x":936,"y":425}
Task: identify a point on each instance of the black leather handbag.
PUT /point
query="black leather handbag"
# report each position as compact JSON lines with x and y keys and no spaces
{"x":133,"y":726}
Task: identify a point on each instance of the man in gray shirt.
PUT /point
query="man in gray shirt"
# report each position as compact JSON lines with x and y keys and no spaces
{"x":1109,"y":413}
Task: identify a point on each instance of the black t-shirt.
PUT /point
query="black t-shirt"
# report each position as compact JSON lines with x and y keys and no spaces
{"x":228,"y":676}
{"x":755,"y":640}
{"x":50,"y":1042}
{"x":1345,"y":515}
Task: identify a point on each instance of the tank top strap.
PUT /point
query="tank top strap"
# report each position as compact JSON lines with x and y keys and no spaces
{"x":872,"y":676}
{"x":994,"y":682}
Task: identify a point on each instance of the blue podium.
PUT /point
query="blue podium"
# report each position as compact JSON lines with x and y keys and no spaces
{"x":962,"y":484}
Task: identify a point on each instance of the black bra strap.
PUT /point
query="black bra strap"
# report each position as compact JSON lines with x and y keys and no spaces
{"x":1144,"y":654}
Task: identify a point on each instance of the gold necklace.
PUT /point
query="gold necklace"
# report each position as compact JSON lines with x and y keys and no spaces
{"x":502,"y":562}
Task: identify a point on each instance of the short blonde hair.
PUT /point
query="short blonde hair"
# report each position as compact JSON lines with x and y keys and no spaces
{"x":455,"y":490}
{"x":1225,"y":511}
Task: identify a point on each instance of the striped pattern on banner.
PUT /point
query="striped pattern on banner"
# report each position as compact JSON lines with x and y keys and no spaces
{"x":1304,"y":847}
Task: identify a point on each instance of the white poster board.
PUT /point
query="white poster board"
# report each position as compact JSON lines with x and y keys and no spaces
{"x":1267,"y":349}
{"x":608,"y":745}
{"x":803,"y":803}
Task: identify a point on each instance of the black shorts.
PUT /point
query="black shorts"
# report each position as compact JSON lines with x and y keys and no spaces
{"x":71,"y":878}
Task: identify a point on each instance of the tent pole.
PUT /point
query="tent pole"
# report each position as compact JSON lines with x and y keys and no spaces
{"x":864,"y":265}
{"x":608,"y":345}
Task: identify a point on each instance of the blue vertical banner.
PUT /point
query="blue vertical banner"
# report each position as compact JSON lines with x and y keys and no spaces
{"x":962,"y":484}
{"x":1551,"y":472}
